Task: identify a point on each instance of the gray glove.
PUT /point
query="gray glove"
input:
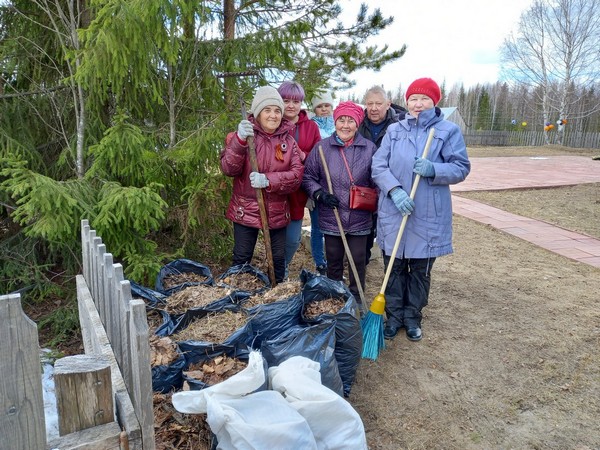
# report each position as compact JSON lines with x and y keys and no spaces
{"x":245,"y":130}
{"x":310,"y":204}
{"x":258,"y":180}
{"x":424,"y":167}
{"x":402,"y":201}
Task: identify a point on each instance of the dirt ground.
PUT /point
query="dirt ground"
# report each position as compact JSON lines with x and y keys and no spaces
{"x":511,"y":337}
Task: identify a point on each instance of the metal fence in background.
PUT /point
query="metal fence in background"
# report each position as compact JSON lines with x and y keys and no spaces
{"x":530,"y":138}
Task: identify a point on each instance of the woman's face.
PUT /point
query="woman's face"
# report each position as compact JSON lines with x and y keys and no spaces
{"x":292,"y":109}
{"x":324,"y":110}
{"x":417,"y":103}
{"x":270,"y":118}
{"x":345,"y":127}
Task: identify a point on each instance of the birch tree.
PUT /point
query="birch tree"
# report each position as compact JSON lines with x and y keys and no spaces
{"x":556,"y":51}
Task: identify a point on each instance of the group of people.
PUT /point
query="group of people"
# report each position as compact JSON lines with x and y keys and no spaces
{"x":316,"y":162}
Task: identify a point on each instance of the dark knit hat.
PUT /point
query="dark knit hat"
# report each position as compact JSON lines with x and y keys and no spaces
{"x":425,"y":86}
{"x":265,"y":96}
{"x":349,"y":109}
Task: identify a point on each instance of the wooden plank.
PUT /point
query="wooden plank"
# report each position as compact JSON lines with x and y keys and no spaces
{"x":85,"y":251}
{"x":101,"y":275}
{"x":84,"y":394}
{"x":117,"y":314}
{"x":108,"y":296}
{"x":99,"y":345}
{"x":124,"y":299}
{"x":142,"y":373}
{"x":101,"y":437}
{"x":22,"y":422}
{"x":96,"y":243}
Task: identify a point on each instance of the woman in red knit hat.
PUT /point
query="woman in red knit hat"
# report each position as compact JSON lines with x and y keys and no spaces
{"x":428,"y":231}
{"x":348,"y":156}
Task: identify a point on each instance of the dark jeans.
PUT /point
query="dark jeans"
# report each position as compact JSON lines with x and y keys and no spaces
{"x":335,"y":252}
{"x":244,"y":241}
{"x":371,"y":238}
{"x":407,"y":291}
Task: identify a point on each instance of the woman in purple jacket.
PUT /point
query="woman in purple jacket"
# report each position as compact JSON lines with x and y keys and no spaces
{"x":345,"y":151}
{"x":279,"y":174}
{"x":428,"y":231}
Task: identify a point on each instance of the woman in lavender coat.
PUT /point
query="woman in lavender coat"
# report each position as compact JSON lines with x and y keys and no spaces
{"x":428,"y":231}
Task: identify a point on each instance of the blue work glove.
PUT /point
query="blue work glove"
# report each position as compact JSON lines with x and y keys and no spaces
{"x":329,"y":200}
{"x":245,"y":130}
{"x":258,"y":180}
{"x":424,"y":167}
{"x":402,"y":201}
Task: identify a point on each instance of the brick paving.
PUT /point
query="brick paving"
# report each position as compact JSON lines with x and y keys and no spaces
{"x":521,"y":172}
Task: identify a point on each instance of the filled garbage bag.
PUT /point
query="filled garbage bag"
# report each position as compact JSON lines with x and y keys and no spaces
{"x":348,"y":333}
{"x":333,"y":421}
{"x":244,"y":278}
{"x":181,"y":273}
{"x":153,"y":299}
{"x":316,"y":342}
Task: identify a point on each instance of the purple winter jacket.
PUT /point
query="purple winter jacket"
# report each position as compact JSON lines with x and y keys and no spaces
{"x":359,"y":155}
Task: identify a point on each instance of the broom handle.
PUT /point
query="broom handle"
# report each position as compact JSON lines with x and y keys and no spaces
{"x":339,"y":222}
{"x":405,"y":218}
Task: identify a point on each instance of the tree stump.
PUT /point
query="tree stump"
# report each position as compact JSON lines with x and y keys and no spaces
{"x":84,"y":394}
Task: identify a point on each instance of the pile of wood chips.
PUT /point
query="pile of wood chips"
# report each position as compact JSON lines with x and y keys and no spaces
{"x":282,"y":291}
{"x":326,"y":306}
{"x":177,"y":431}
{"x":216,"y":370}
{"x":214,"y":327}
{"x":175,"y":279}
{"x":163,"y":351}
{"x":242,"y":281}
{"x":194,"y":297}
{"x":155,"y":320}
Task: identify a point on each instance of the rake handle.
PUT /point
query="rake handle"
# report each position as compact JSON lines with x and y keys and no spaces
{"x":413,"y":191}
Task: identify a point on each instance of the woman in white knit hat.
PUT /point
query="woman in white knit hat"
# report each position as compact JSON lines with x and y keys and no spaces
{"x":322,"y":104}
{"x":280,"y":170}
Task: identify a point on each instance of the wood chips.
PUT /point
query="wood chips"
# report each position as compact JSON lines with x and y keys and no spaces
{"x":216,"y":370}
{"x":194,"y":297}
{"x":175,"y":279}
{"x":175,"y":430}
{"x":280,"y":292}
{"x":242,"y":281}
{"x":163,"y":351}
{"x":155,"y":320}
{"x":326,"y":306}
{"x":215,"y":327}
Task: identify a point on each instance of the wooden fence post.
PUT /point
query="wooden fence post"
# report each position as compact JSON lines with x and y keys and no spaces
{"x":84,"y":395}
{"x":22,"y":422}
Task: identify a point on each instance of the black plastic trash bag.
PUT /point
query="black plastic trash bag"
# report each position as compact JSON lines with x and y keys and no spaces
{"x":180,"y":266}
{"x":204,"y":352}
{"x":153,"y":299}
{"x":316,"y":342}
{"x":268,"y":321}
{"x":168,"y":378}
{"x":262,"y":280}
{"x":348,"y":333}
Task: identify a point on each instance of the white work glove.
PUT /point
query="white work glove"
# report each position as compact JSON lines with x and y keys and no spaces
{"x":310,"y":204}
{"x":245,"y":130}
{"x":258,"y":180}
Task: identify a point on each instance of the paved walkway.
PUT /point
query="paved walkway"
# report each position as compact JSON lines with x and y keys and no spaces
{"x":529,"y":172}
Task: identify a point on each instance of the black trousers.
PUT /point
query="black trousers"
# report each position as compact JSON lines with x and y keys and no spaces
{"x":335,"y":252}
{"x":371,"y":239}
{"x":244,"y":241}
{"x":407,"y":291}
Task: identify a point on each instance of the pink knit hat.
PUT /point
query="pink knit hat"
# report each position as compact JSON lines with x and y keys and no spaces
{"x":425,"y":86}
{"x":350,"y":109}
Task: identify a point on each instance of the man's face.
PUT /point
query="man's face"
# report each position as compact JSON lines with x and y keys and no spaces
{"x":377,"y":107}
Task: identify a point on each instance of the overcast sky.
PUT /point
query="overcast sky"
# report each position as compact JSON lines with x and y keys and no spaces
{"x":452,"y":40}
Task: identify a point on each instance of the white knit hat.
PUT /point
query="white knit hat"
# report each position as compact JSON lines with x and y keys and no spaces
{"x":265,"y":96}
{"x":320,"y":98}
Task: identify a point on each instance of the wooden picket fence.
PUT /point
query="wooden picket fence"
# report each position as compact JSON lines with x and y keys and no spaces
{"x":114,"y":328}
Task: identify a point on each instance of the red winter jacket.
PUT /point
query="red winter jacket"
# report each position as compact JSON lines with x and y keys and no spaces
{"x":307,"y":134}
{"x":284,"y":176}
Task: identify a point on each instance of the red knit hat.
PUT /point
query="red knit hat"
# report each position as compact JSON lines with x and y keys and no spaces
{"x":349,"y":109}
{"x":425,"y":86}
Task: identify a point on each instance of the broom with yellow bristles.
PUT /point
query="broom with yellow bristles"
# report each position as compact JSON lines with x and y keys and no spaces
{"x":372,"y":323}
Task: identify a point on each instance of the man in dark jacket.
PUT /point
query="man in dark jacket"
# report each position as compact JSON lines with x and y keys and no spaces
{"x":379,"y":114}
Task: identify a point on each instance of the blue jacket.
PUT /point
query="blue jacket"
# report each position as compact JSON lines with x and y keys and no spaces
{"x":428,"y":231}
{"x":359,"y":156}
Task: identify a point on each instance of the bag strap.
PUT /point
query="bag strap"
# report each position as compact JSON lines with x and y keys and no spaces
{"x":347,"y":166}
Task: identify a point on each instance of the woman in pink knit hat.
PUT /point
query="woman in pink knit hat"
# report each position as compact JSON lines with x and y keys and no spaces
{"x":348,"y":156}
